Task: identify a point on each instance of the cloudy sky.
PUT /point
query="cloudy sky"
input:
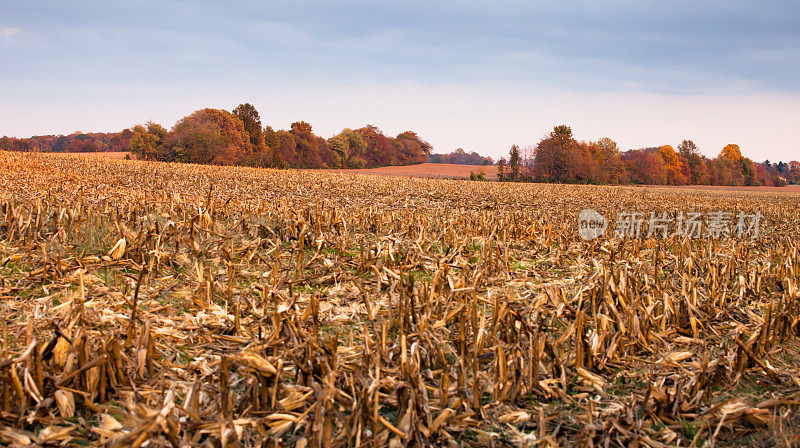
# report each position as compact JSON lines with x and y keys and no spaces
{"x":478,"y":75}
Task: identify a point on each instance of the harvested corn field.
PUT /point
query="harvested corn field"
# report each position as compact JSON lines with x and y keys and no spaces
{"x":182,"y":305}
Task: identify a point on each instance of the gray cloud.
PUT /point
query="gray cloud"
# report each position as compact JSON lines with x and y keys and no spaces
{"x":671,"y":47}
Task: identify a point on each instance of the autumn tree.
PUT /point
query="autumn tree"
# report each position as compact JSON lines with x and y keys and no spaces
{"x":341,"y":147}
{"x":146,"y":141}
{"x":307,"y":147}
{"x":252,"y":124}
{"x":748,"y":168}
{"x":120,"y":140}
{"x":414,"y":149}
{"x":210,"y":136}
{"x":285,"y":153}
{"x":221,"y":137}
{"x":349,"y":146}
{"x":380,"y":149}
{"x":612,"y":169}
{"x":273,"y":147}
{"x":794,"y":172}
{"x":14,"y":144}
{"x":729,"y":166}
{"x":673,"y":173}
{"x":558,"y":158}
{"x":501,"y":169}
{"x":83,"y":145}
{"x":644,"y":166}
{"x":698,"y":172}
{"x":731,"y":152}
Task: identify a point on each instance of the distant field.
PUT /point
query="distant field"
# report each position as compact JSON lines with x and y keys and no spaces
{"x":446,"y":170}
{"x":788,"y":188}
{"x":110,"y":155}
{"x":449,"y":170}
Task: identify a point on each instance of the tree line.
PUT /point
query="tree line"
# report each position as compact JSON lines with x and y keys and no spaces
{"x":461,"y":157}
{"x":215,"y":136}
{"x":75,"y":142}
{"x":560,"y":158}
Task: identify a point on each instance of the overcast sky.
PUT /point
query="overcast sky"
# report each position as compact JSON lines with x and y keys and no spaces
{"x":477,"y":75}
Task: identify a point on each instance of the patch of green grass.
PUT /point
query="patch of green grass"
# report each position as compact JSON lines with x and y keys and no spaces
{"x":521,"y":265}
{"x":389,"y":413}
{"x":421,"y":275}
{"x":473,"y":247}
{"x":184,"y":357}
{"x":89,"y":239}
{"x":105,"y":275}
{"x":27,"y":293}
{"x":17,"y":267}
{"x":304,"y":288}
{"x":748,"y":386}
{"x":690,"y":430}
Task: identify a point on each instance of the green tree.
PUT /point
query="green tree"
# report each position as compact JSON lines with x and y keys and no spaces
{"x":563,"y":134}
{"x":687,"y":148}
{"x":357,"y":147}
{"x":698,"y":171}
{"x":513,"y":162}
{"x":147,"y":141}
{"x":252,"y":123}
{"x":349,"y":147}
{"x":270,"y":138}
{"x":341,"y":147}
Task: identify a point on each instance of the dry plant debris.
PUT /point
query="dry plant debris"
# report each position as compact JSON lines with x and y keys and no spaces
{"x":148,"y":304}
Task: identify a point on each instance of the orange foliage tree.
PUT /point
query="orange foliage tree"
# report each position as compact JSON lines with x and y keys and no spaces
{"x":210,"y":136}
{"x":673,"y":173}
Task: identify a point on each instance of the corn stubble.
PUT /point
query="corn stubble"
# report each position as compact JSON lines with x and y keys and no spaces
{"x":180,"y":305}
